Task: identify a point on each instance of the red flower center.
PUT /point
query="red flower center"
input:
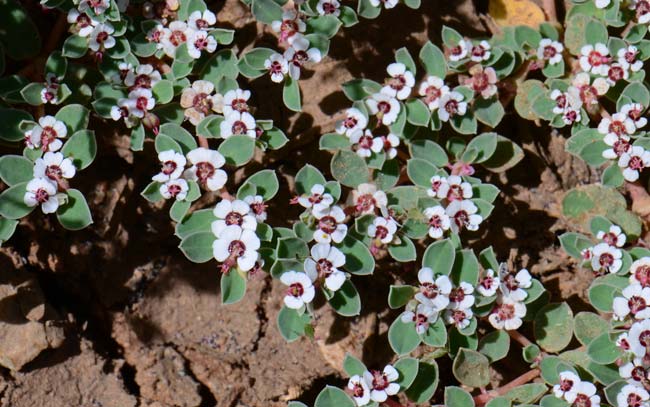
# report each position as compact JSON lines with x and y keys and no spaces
{"x":365,"y":142}
{"x":53,"y":172}
{"x":239,"y":105}
{"x":457,"y":295}
{"x":381,"y":232}
{"x":379,"y":380}
{"x":141,"y":103}
{"x":615,"y":73}
{"x":142,"y":81}
{"x":606,"y":260}
{"x":642,"y":275}
{"x":41,"y":195}
{"x":566,"y":385}
{"x":621,"y":146}
{"x":169,"y":167}
{"x":429,"y":290}
{"x":236,"y":248}
{"x":480,"y":82}
{"x":636,"y":163}
{"x":174,"y":189}
{"x":234,"y":218}
{"x":478,"y":51}
{"x":101,"y":37}
{"x":299,"y":58}
{"x":276,"y":67}
{"x":177,"y":37}
{"x":365,"y":203}
{"x":203,"y":103}
{"x":398,"y":82}
{"x":327,"y":224}
{"x":295,"y":290}
{"x":204,"y":171}
{"x":83,"y":20}
{"x":506,"y":312}
{"x":636,"y":304}
{"x":451,"y":107}
{"x":324,"y":267}
{"x":549,"y":52}
{"x":329,"y":8}
{"x":239,"y":127}
{"x":383,"y":107}
{"x":595,"y":58}
{"x":582,"y":400}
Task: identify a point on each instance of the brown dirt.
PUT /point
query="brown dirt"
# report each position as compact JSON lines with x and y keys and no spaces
{"x":115,"y":316}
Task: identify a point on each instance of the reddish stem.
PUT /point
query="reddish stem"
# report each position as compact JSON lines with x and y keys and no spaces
{"x":393,"y":403}
{"x":481,"y":399}
{"x":549,"y":8}
{"x":519,"y":338}
{"x":203,"y":142}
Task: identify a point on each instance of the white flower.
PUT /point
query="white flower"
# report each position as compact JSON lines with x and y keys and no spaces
{"x":385,"y":107}
{"x":229,"y":213}
{"x":635,"y":112}
{"x":433,"y":293}
{"x":439,"y":221}
{"x":463,"y":215}
{"x":618,"y":125}
{"x":278,"y":66}
{"x":236,"y":100}
{"x":613,"y":237}
{"x":595,"y":59}
{"x":41,"y":191}
{"x":480,"y":52}
{"x":400,"y":83}
{"x":388,"y":4}
{"x":632,"y":396}
{"x":616,"y":72}
{"x":173,"y":164}
{"x":83,"y":23}
{"x":634,"y":371}
{"x":627,"y":57}
{"x":623,"y":343}
{"x":451,"y":104}
{"x":198,"y":101}
{"x":460,"y":51}
{"x":301,"y":290}
{"x":550,"y":51}
{"x":421,"y":314}
{"x":205,"y":168}
{"x":432,"y":89}
{"x":436,"y":184}
{"x":366,"y":143}
{"x":54,"y":167}
{"x":145,"y":76}
{"x":461,"y":318}
{"x":383,"y":229}
{"x":290,"y":25}
{"x":324,"y":264}
{"x":507,"y":313}
{"x":382,"y":383}
{"x":602,"y":3}
{"x":319,"y":200}
{"x":258,"y":207}
{"x":236,"y":247}
{"x":199,"y":41}
{"x":49,"y":93}
{"x":640,"y":271}
{"x":584,"y":392}
{"x":176,"y":34}
{"x":201,"y":20}
{"x":354,"y":120}
{"x":635,"y":301}
{"x":455,"y":189}
{"x":360,"y":390}
{"x":366,"y":198}
{"x":461,"y":297}
{"x":157,"y":36}
{"x":140,"y":102}
{"x":98,"y":6}
{"x":330,"y":227}
{"x":489,"y":284}
{"x":238,"y":123}
{"x":174,"y":188}
{"x":328,"y":7}
{"x":642,"y":10}
{"x":514,"y":285}
{"x":568,"y":384}
{"x":584,"y":90}
{"x":299,"y":54}
{"x":47,"y":134}
{"x":101,"y":38}
{"x":639,"y":338}
{"x":633,"y":162}
{"x":389,"y":143}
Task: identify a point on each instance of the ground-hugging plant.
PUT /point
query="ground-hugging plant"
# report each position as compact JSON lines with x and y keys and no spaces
{"x":407,"y":160}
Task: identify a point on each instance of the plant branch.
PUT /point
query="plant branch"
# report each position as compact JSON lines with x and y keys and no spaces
{"x":519,"y":338}
{"x":392,"y":403}
{"x":549,"y":8}
{"x":481,"y":399}
{"x":203,"y":142}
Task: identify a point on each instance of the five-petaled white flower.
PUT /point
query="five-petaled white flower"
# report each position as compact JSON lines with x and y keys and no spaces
{"x":82,"y":23}
{"x":366,"y":143}
{"x":301,"y":290}
{"x":639,"y":338}
{"x":433,"y":291}
{"x":42,"y":191}
{"x":618,"y":125}
{"x":432,"y":89}
{"x":514,"y":285}
{"x":584,"y":395}
{"x":324,"y":264}
{"x":595,"y":59}
{"x":383,"y":229}
{"x":101,"y":38}
{"x":175,"y":188}
{"x":173,"y":164}
{"x":635,"y":112}
{"x":613,"y":237}
{"x":567,"y":384}
{"x":328,"y":7}
{"x":140,"y":101}
{"x":386,"y":107}
{"x":277,"y":66}
{"x":198,"y":101}
{"x":360,"y":390}
{"x":635,"y":301}
{"x":640,"y":271}
{"x":258,"y":207}
{"x":201,"y":20}
{"x":642,"y":10}
{"x":229,"y":213}
{"x":628,"y":58}
{"x":607,"y":258}
{"x":436,"y":184}
{"x":382,"y":383}
{"x":236,"y":100}
{"x":455,"y":189}
{"x":632,"y":395}
{"x":354,"y":120}
{"x":451,"y":104}
{"x":550,"y":51}
{"x":299,"y":54}
{"x":582,"y":88}
{"x":421,"y":314}
{"x":330,"y":226}
{"x":461,"y":297}
{"x":367,"y":197}
{"x":400,"y":83}
{"x":318,"y":199}
{"x":236,"y":247}
{"x":460,"y":51}
{"x":480,"y":52}
{"x":205,"y":168}
{"x":463,"y":215}
{"x":460,"y":318}
{"x":47,"y":134}
{"x":199,"y":42}
{"x":144,"y":76}
{"x":238,"y":124}
{"x":173,"y":36}
{"x":634,"y":161}
{"x":489,"y":283}
{"x":290,"y":25}
{"x":438,"y":222}
{"x":507,"y":313}
{"x":54,"y":166}
{"x":97,"y":6}
{"x":635,"y":371}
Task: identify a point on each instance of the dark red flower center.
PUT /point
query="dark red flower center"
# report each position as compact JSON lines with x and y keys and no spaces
{"x":379,"y":380}
{"x":327,"y":224}
{"x":41,"y":195}
{"x":177,"y":37}
{"x":202,"y":102}
{"x":636,"y":163}
{"x":429,"y":290}
{"x":457,"y":295}
{"x":296,"y":290}
{"x":234,"y":218}
{"x":53,"y":172}
{"x":204,"y":171}
{"x":549,"y":52}
{"x":642,"y":275}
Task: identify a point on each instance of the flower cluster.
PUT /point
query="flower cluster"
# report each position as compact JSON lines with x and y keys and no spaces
{"x":51,"y":173}
{"x":374,"y":386}
{"x":458,"y":212}
{"x":140,"y":101}
{"x":193,"y":35}
{"x":606,"y":257}
{"x":511,"y":291}
{"x":576,"y":392}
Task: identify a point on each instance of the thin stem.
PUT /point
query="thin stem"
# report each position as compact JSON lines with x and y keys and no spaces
{"x":203,"y":142}
{"x":549,"y":8}
{"x":481,"y":399}
{"x":519,"y":338}
{"x":627,"y":28}
{"x":393,"y":403}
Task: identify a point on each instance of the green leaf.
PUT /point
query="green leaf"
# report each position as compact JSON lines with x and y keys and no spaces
{"x":554,"y":327}
{"x":457,"y":397}
{"x":526,"y":393}
{"x":15,"y":169}
{"x":265,"y":182}
{"x":75,"y":46}
{"x":292,"y":324}
{"x":489,"y":111}
{"x":596,"y":32}
{"x":408,"y":370}
{"x":358,"y":259}
{"x":471,"y":368}
{"x":7,"y":229}
{"x":166,"y":143}
{"x":358,"y":89}
{"x":332,"y":396}
{"x":291,"y":94}
{"x":346,"y":301}
{"x":56,"y":64}
{"x":266,"y":11}
{"x":366,"y":10}
{"x":420,"y":172}
{"x":12,"y":205}
{"x":307,"y":177}
{"x":275,"y":138}
{"x":465,"y":268}
{"x":348,"y":168}
{"x":348,"y":16}
{"x":81,"y":148}
{"x":19,"y":34}
{"x":400,"y":295}
{"x":425,"y":383}
{"x":495,"y":345}
{"x":429,"y":151}
{"x":237,"y":150}
{"x":75,"y":117}
{"x":233,"y":286}
{"x":222,"y":64}
{"x":603,"y":350}
{"x":197,"y":221}
{"x":403,"y":251}
{"x":10,"y":120}
{"x":485,"y":145}
{"x":506,"y":156}
{"x":333,"y":141}
{"x":436,"y":334}
{"x":403,"y":56}
{"x":183,"y":137}
{"x":433,"y":60}
{"x":587,"y":326}
{"x":417,"y":112}
{"x":439,"y":256}
{"x":402,"y":337}
{"x":74,"y":214}
{"x":197,"y":247}
{"x":163,"y":91}
{"x":353,"y":366}
{"x":327,"y":25}
{"x":637,"y":92}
